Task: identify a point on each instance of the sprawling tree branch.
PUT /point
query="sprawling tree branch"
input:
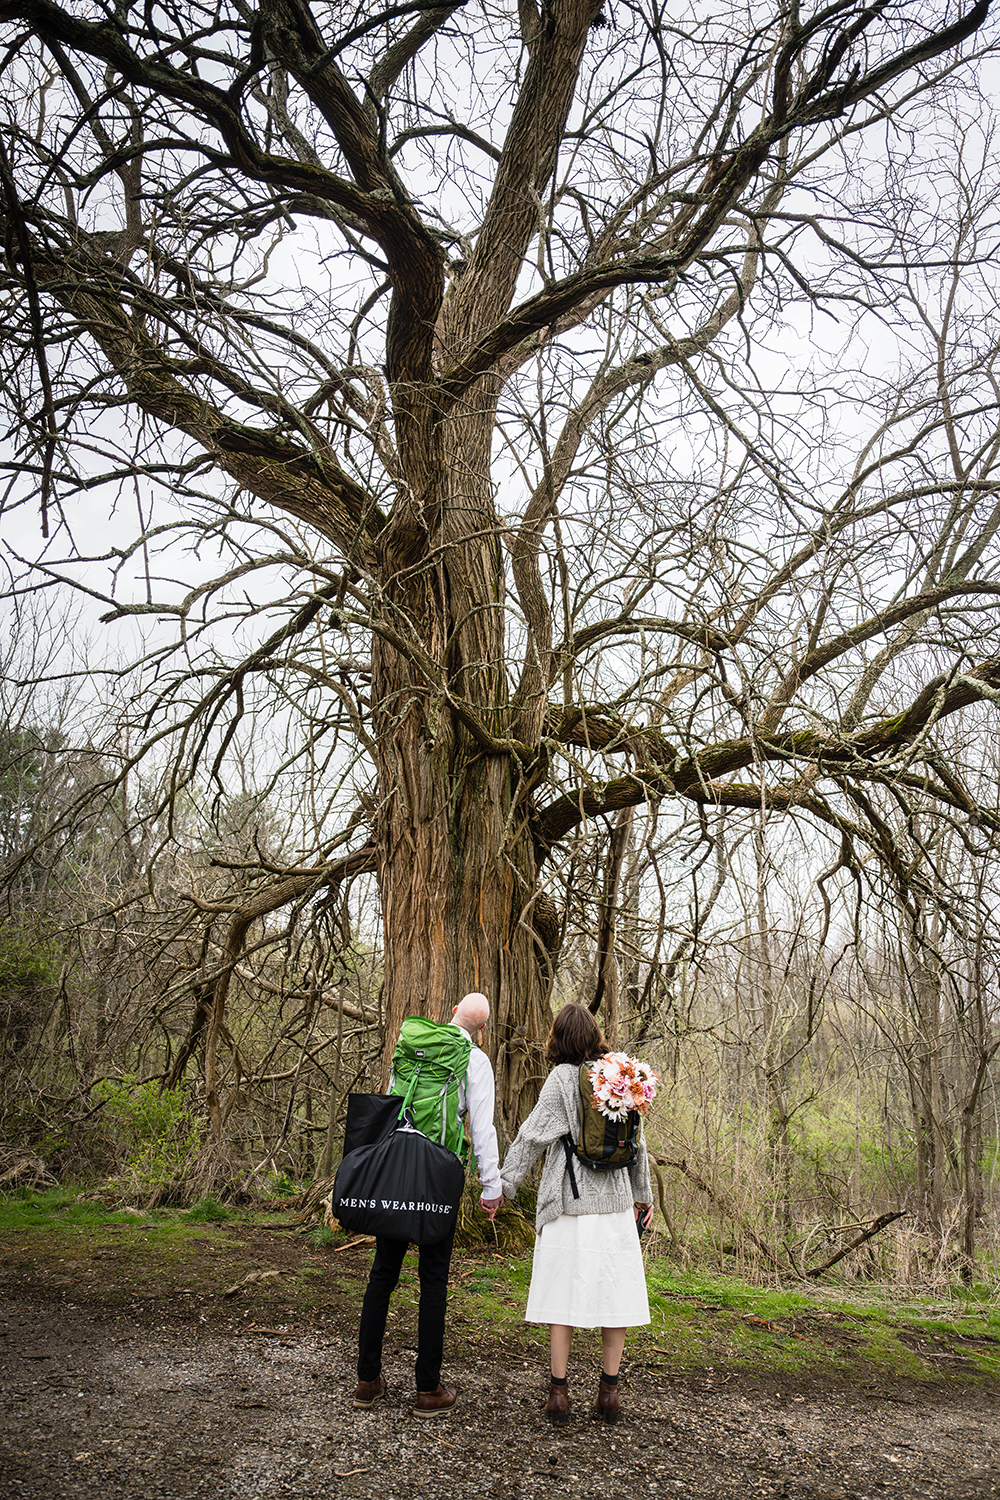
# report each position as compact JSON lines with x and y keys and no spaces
{"x":699,"y":776}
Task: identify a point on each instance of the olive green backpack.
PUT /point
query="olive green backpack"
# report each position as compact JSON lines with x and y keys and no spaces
{"x":600,"y":1143}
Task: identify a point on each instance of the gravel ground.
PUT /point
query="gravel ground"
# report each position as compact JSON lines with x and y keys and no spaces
{"x":94,"y":1405}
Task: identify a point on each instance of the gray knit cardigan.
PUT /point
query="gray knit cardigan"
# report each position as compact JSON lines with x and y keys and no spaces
{"x":556,"y":1115}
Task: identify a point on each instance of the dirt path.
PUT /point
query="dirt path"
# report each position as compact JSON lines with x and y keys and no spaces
{"x":111,"y":1406}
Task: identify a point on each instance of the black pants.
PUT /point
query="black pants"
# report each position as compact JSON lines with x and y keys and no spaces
{"x":433,"y":1271}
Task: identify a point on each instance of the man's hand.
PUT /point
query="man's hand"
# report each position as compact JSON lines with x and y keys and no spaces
{"x":489,"y":1206}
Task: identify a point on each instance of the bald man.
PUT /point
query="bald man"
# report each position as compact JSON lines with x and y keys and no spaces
{"x":470,"y":1015}
{"x":477,"y":1098}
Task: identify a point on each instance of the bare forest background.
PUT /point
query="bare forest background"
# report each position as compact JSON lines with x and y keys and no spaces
{"x":506,"y":497}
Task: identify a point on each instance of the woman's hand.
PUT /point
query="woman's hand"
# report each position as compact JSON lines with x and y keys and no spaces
{"x":645,"y":1212}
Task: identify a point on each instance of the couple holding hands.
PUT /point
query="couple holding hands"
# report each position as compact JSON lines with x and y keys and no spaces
{"x":587,"y":1270}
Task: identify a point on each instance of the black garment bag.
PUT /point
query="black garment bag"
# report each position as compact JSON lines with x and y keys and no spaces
{"x":369,"y":1118}
{"x":404,"y":1187}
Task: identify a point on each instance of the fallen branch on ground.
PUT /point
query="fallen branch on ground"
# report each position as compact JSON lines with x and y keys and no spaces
{"x":873,"y":1229}
{"x":248,"y":1280}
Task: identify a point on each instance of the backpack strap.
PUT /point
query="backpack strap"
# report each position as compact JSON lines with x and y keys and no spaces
{"x":464,"y":1080}
{"x":408,"y":1096}
{"x":443,"y":1099}
{"x":568,"y":1147}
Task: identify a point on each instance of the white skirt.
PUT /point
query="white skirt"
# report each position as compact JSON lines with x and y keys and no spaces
{"x":587,"y":1272}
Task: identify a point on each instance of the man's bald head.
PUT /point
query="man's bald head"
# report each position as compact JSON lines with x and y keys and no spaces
{"x":472,"y":1012}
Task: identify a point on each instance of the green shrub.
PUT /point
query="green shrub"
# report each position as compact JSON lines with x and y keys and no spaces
{"x":283,"y":1185}
{"x":208,"y":1211}
{"x":29,"y":973}
{"x":322,"y":1236}
{"x":155,"y":1133}
{"x":27,"y":958}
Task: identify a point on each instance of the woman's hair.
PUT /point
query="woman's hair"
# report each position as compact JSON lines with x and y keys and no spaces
{"x":575,"y":1037}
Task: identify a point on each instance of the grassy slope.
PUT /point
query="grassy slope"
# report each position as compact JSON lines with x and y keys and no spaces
{"x":57,"y":1244}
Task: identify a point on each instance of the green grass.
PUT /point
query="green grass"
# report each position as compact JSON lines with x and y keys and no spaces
{"x":714,"y":1323}
{"x":59,"y":1211}
{"x":208,"y":1211}
{"x":322,"y":1237}
{"x":701,"y":1321}
{"x":723,"y":1292}
{"x":56,"y":1224}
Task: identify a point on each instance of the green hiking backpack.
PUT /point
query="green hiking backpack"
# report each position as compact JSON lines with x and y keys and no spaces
{"x":429,"y":1063}
{"x":601,"y":1143}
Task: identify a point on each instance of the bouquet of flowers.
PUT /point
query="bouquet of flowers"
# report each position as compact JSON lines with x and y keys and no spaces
{"x":621,"y":1083}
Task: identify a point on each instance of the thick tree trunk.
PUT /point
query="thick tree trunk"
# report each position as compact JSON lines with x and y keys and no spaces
{"x":456,"y":875}
{"x":456,"y":863}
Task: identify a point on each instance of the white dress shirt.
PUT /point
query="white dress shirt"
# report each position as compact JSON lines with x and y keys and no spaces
{"x":479,"y":1098}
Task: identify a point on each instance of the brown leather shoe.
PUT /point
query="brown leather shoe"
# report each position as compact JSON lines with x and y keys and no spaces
{"x":435,"y":1403}
{"x":607,"y":1405}
{"x":557,"y":1406}
{"x":368,"y":1392}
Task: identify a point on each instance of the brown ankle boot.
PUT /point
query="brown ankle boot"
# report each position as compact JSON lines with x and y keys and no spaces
{"x":435,"y":1403}
{"x":557,"y":1405}
{"x":607,"y":1405}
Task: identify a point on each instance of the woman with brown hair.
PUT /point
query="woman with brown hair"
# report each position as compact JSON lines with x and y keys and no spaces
{"x":587,"y":1270}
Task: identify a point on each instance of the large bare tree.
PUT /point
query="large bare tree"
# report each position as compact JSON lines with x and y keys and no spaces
{"x":459,"y":331}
